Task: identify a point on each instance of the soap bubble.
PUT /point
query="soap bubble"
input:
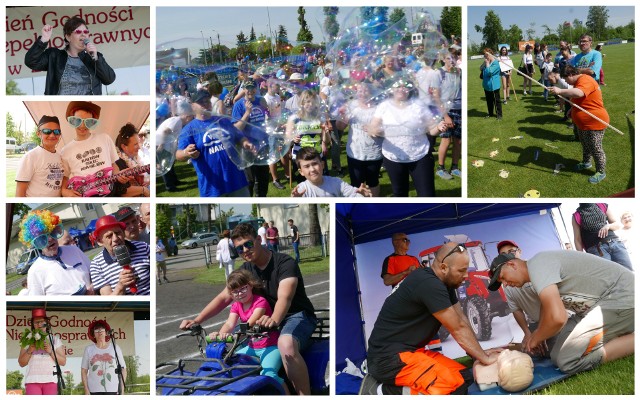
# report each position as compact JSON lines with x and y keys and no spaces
{"x":167,"y":144}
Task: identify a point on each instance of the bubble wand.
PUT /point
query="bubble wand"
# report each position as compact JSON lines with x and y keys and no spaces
{"x":563,"y":98}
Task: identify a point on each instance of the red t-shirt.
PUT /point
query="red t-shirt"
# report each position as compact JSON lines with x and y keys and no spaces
{"x":396,"y":263}
{"x":592,"y":102}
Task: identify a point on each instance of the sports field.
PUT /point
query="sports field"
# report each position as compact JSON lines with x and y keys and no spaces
{"x":543,"y":160}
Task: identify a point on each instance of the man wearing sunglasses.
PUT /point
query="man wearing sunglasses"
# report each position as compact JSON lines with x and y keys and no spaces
{"x":598,"y":292}
{"x":89,"y":152}
{"x":524,"y":302}
{"x":285,"y":292}
{"x":398,"y":265}
{"x":40,"y":171}
{"x":78,"y":69}
{"x":59,"y":270}
{"x":410,"y":317}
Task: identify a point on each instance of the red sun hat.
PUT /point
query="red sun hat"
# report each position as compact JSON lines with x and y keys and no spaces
{"x":106,"y":222}
{"x":38,"y":313}
{"x":92,"y":325}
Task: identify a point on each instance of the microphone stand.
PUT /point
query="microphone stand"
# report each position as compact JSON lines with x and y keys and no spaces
{"x":58,"y":371}
{"x":118,"y":365}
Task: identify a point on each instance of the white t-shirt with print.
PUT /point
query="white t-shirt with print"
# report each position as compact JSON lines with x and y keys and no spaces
{"x":405,"y":131}
{"x":85,"y":157}
{"x":101,"y":368}
{"x":50,"y":278}
{"x":43,"y":171}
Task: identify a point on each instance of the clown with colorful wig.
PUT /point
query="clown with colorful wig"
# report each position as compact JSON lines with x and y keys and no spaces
{"x":59,"y":270}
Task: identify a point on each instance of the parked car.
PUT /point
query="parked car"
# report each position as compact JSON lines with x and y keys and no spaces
{"x":28,"y":146}
{"x":26,"y":260}
{"x":200,"y":240}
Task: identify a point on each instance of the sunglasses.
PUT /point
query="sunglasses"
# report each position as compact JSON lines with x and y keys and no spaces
{"x":47,"y":131}
{"x":90,"y":123}
{"x":99,"y":330}
{"x":406,"y":240}
{"x":40,"y":242}
{"x":80,"y":31}
{"x":241,"y":291}
{"x":459,"y":248}
{"x":512,"y":251}
{"x":246,"y":245}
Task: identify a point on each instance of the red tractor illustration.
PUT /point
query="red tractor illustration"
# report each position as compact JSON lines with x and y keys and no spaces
{"x":479,"y":304}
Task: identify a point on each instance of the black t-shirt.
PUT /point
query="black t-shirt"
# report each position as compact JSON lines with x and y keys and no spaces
{"x":406,"y":321}
{"x":280,"y":267}
{"x":294,"y":233}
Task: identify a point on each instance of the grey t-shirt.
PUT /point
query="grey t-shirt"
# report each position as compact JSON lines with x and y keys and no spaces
{"x":524,"y":299}
{"x":584,"y":281}
{"x":331,"y":187}
{"x":75,"y":78}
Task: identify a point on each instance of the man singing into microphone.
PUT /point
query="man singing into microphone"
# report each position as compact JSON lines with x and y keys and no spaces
{"x":78,"y":69}
{"x":110,"y":274}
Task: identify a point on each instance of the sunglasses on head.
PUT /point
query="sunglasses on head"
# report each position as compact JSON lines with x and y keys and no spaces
{"x":47,"y":131}
{"x":459,"y":248}
{"x":246,"y":245}
{"x":406,"y":240}
{"x":88,"y":122}
{"x":511,"y":251}
{"x":40,"y":242}
{"x":80,"y":31}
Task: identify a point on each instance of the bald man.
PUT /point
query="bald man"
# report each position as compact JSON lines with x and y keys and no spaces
{"x":411,"y":317}
{"x":399,"y":264}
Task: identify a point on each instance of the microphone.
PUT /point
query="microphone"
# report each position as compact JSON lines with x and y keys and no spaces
{"x":122,"y":255}
{"x":110,"y":332}
{"x":93,"y":55}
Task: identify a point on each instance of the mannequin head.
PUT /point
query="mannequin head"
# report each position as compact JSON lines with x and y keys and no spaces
{"x":515,"y":370}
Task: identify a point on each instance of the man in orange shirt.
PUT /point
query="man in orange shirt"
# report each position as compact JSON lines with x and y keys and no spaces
{"x":398,"y":265}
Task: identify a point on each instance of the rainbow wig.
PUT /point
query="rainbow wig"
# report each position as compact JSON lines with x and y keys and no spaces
{"x":36,"y":223}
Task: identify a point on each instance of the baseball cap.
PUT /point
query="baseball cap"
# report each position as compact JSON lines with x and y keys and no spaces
{"x":296,"y":76}
{"x":249,"y":83}
{"x":45,"y":119}
{"x":200,"y":96}
{"x":496,"y":268}
{"x":124,"y":213}
{"x":505,"y":243}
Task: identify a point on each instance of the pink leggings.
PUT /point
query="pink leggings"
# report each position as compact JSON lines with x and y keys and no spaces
{"x":50,"y":388}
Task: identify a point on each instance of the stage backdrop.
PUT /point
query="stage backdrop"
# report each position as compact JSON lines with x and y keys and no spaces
{"x":121,"y":34}
{"x":533,"y":233}
{"x":71,"y":328}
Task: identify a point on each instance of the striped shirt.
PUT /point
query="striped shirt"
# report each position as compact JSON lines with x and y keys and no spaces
{"x":105,"y":269}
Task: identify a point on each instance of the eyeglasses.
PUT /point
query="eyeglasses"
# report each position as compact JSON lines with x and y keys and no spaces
{"x":584,"y":41}
{"x":80,"y":31}
{"x":47,"y":131}
{"x":99,"y":330}
{"x":40,"y":242}
{"x":459,"y":248}
{"x":511,"y":251}
{"x":241,"y":291}
{"x":88,"y":122}
{"x":246,"y":245}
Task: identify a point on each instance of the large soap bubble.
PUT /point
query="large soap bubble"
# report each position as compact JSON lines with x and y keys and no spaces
{"x":167,"y":144}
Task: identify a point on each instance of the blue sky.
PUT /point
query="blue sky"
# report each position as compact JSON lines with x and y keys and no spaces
{"x":552,"y":16}
{"x":181,"y":27}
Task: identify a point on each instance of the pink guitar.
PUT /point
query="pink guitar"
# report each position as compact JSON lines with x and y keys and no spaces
{"x":100,"y":183}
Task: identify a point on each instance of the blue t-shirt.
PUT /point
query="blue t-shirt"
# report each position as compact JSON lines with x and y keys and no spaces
{"x":217,"y":174}
{"x":583,"y":61}
{"x":256,"y":132}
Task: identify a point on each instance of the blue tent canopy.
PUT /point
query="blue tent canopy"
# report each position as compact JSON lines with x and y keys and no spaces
{"x":366,"y":222}
{"x":91,"y":227}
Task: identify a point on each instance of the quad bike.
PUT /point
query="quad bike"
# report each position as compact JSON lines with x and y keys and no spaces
{"x":220,"y":371}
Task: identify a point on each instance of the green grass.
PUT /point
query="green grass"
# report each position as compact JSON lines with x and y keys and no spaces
{"x":14,"y":277}
{"x":11,"y":183}
{"x":189,"y":187}
{"x":616,"y":377}
{"x":543,"y":131}
{"x":215,"y":276}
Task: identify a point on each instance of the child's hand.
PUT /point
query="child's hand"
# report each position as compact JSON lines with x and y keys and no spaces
{"x":296,"y":193}
{"x":364,"y":190}
{"x":218,"y":336}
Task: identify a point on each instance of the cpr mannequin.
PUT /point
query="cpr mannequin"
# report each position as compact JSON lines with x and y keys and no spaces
{"x":512,"y":372}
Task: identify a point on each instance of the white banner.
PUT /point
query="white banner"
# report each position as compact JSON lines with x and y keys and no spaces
{"x":121,"y":34}
{"x":71,"y":329}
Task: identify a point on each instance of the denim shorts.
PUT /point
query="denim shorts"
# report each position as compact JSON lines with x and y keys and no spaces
{"x":300,"y":326}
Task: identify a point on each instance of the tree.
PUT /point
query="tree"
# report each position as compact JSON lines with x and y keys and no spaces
{"x":304,"y":35}
{"x":14,"y":379}
{"x":252,"y":34}
{"x":242,"y":44}
{"x":331,"y":26}
{"x":492,"y":30}
{"x":597,"y":19}
{"x":531,"y":31}
{"x":12,"y":130}
{"x":163,"y":222}
{"x":451,"y":21}
{"x":512,"y":36}
{"x":398,"y":20}
{"x":314,"y":225}
{"x":132,"y":364}
{"x":68,"y":381}
{"x":282,"y":40}
{"x":20,"y":209}
{"x":12,"y":88}
{"x":547,"y":30}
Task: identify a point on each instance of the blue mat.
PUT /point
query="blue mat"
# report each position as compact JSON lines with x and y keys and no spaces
{"x":544,"y":374}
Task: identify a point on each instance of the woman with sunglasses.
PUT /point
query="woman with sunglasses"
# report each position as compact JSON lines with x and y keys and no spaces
{"x":405,"y":125}
{"x":40,"y":171}
{"x":89,"y":152}
{"x":59,"y":270}
{"x":127,"y":145}
{"x":248,"y":307}
{"x":98,"y":367}
{"x":78,"y":69}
